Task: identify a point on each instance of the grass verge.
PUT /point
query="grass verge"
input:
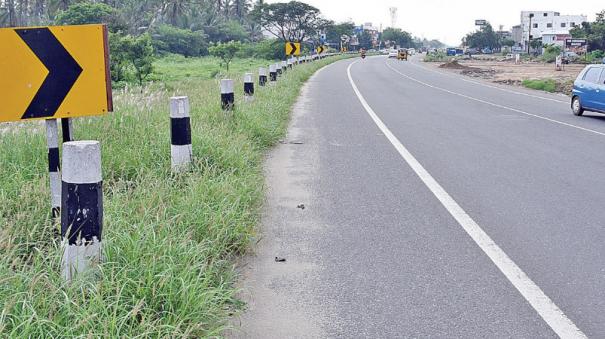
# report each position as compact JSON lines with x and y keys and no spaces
{"x":169,"y":240}
{"x":547,"y":85}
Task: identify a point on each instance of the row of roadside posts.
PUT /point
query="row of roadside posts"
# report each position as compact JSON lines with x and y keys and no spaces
{"x":181,"y":147}
{"x":78,"y":87}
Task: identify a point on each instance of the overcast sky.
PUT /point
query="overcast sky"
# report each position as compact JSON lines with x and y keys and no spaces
{"x":446,"y":20}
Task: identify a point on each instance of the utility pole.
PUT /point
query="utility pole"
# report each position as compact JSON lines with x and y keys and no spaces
{"x":531,"y":15}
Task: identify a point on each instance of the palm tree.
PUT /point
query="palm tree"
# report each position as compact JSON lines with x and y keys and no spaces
{"x":176,"y":11}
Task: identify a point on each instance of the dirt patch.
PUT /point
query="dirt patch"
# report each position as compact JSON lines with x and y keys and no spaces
{"x":479,"y":72}
{"x":504,"y":71}
{"x":454,"y":64}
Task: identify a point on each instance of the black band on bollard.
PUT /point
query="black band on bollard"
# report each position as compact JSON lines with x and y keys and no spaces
{"x":227,"y":100}
{"x":53,"y":160}
{"x":273,"y":76}
{"x":180,"y":131}
{"x":262,"y":80}
{"x":82,"y":212}
{"x":249,"y":88}
{"x":66,"y":130}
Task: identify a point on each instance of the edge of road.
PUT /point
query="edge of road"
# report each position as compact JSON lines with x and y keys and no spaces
{"x":256,"y":268}
{"x":542,"y":304}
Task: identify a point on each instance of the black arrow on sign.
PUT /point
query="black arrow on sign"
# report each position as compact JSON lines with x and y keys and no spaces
{"x":63,"y":72}
{"x":293,"y":47}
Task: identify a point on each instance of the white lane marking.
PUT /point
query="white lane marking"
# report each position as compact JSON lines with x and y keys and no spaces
{"x":546,"y":308}
{"x":489,"y":86}
{"x":494,"y":104}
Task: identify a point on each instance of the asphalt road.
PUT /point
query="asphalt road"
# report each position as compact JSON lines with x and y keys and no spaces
{"x":434,"y":206}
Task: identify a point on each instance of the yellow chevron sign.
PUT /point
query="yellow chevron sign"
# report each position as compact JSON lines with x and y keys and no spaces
{"x":292,"y":48}
{"x":54,"y":72}
{"x":321,"y":49}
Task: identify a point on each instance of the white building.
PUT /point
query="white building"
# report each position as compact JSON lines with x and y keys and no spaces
{"x":555,"y":37}
{"x":547,"y":21}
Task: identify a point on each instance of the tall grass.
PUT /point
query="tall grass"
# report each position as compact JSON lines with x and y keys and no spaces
{"x":169,"y":240}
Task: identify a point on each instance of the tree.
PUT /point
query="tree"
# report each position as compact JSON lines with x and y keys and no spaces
{"x":171,"y":39}
{"x":292,"y":21}
{"x":139,"y":52}
{"x":225,"y":51}
{"x":398,"y":37}
{"x":485,"y":37}
{"x":508,"y":42}
{"x":365,"y":40}
{"x":89,"y":13}
{"x":593,"y":32}
{"x":335,"y":31}
{"x":536,"y":44}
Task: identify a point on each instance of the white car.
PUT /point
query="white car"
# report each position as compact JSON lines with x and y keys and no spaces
{"x":392,"y":53}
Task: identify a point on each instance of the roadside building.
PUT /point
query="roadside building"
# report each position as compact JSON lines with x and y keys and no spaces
{"x":555,"y":38}
{"x":535,"y":23}
{"x":517,"y":35}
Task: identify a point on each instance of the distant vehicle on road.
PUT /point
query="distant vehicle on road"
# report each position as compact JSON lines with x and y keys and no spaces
{"x":589,"y":90}
{"x":393,"y":53}
{"x":471,"y":51}
{"x":402,"y":54}
{"x":411,"y":51}
{"x":487,"y":51}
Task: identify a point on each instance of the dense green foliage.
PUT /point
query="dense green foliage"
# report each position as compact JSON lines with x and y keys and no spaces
{"x":594,"y":32}
{"x":291,"y":21}
{"x":551,"y":52}
{"x":170,"y":39}
{"x":398,"y":37}
{"x":482,"y":38}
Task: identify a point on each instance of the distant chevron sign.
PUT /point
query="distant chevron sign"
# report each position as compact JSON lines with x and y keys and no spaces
{"x":292,"y":48}
{"x":54,"y":72}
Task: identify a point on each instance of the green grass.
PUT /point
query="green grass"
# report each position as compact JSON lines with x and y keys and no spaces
{"x":170,"y":241}
{"x":177,"y":67}
{"x":547,"y":85}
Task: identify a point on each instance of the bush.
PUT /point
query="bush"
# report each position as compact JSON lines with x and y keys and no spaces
{"x":169,"y":39}
{"x":596,"y":56}
{"x":437,"y":57}
{"x":226,"y":31}
{"x":550,"y":53}
{"x":269,"y":49}
{"x":547,"y":85}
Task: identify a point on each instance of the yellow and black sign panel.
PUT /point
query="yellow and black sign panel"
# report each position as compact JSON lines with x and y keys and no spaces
{"x":321,"y":49}
{"x":54,"y":72}
{"x":292,"y":48}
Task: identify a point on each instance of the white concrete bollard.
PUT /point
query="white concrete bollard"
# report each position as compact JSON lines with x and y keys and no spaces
{"x":284,"y":66}
{"x":54,"y":161}
{"x":273,"y":73}
{"x":248,"y":87}
{"x":181,"y":151}
{"x":227,"y":94}
{"x":262,"y":76}
{"x":81,"y":207}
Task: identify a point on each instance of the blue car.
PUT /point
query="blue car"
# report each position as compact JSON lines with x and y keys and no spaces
{"x":589,"y":90}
